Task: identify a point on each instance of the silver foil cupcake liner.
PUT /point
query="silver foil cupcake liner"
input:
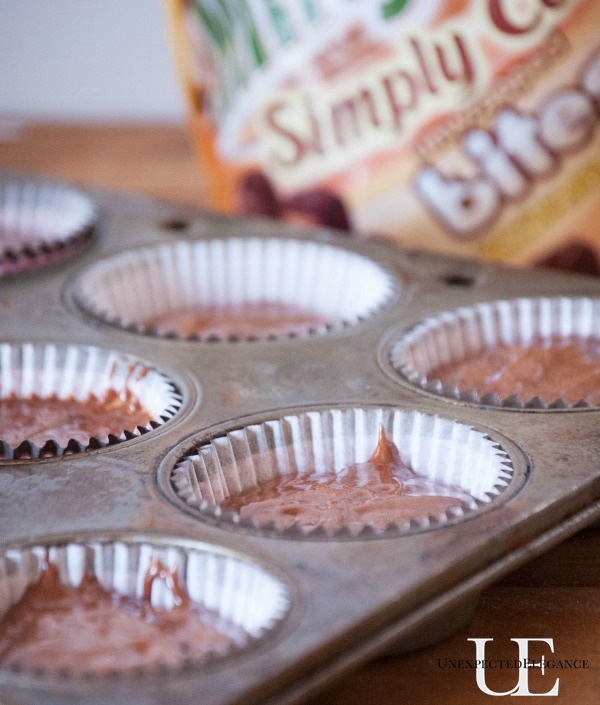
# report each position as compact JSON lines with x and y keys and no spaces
{"x":436,"y":449}
{"x":244,"y":598}
{"x":41,"y":223}
{"x":453,"y":336}
{"x":132,"y":289}
{"x":76,"y":373}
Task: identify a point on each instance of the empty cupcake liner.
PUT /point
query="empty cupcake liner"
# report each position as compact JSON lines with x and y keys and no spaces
{"x":325,"y":441}
{"x":452,"y":336}
{"x":131,"y":289}
{"x":73,"y":372}
{"x":41,"y":223}
{"x":247,"y":600}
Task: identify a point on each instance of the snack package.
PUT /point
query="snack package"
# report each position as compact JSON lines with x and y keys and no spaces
{"x":469,"y":127}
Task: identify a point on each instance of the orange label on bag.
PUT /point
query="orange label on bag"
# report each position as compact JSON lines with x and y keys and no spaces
{"x":464,"y":126}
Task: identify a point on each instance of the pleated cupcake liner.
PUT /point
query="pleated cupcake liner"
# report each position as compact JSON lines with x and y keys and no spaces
{"x":73,"y":373}
{"x":41,"y":223}
{"x":452,"y":336}
{"x":339,"y":287}
{"x":238,"y":591}
{"x":329,"y":440}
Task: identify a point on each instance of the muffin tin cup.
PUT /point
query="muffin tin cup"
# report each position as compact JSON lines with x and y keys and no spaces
{"x":244,"y":598}
{"x":41,"y":223}
{"x":452,"y":336}
{"x":325,"y":441}
{"x":333,"y":286}
{"x":76,"y":373}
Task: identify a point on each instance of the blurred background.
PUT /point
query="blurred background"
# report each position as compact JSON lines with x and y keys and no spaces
{"x":90,"y":94}
{"x":87,"y":60}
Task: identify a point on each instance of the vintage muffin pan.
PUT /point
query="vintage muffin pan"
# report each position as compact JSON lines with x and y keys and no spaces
{"x":230,"y":411}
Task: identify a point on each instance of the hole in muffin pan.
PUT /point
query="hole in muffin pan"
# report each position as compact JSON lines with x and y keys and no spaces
{"x":438,"y":270}
{"x":459,"y":280}
{"x":235,"y":289}
{"x":315,"y":475}
{"x":187,"y":603}
{"x":175,"y":224}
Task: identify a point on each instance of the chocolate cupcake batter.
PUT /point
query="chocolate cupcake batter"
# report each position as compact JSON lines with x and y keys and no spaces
{"x":41,"y":419}
{"x":377,"y":493}
{"x":88,"y":629}
{"x":552,"y":369}
{"x":243,"y":320}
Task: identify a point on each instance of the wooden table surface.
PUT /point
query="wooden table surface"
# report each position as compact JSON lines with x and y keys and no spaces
{"x":556,"y":596}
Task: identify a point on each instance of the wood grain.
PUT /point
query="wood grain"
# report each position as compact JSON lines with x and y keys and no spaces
{"x":152,"y":160}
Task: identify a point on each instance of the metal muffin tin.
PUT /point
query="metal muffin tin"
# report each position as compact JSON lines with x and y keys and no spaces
{"x":350,"y":597}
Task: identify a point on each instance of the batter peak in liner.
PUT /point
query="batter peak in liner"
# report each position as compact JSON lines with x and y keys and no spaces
{"x":343,"y":472}
{"x":87,"y":629}
{"x":377,"y":492}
